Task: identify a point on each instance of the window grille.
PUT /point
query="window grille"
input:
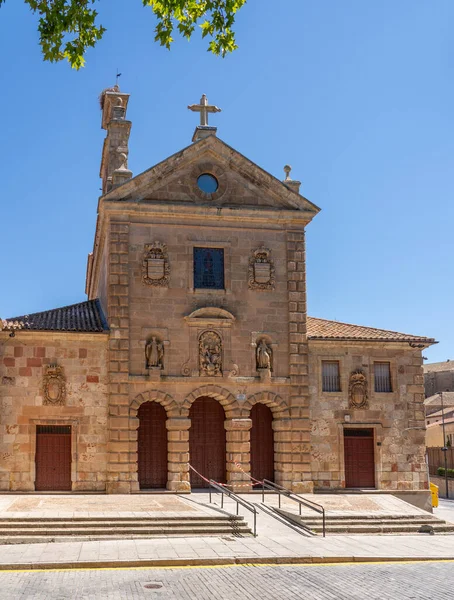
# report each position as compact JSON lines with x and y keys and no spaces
{"x":330,"y":376}
{"x":382,"y":376}
{"x":209,"y":268}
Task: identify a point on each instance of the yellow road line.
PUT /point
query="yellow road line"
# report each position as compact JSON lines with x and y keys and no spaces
{"x":227,"y":566}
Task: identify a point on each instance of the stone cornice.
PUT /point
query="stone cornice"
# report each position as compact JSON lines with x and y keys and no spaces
{"x":36,"y":334}
{"x":410,"y":345}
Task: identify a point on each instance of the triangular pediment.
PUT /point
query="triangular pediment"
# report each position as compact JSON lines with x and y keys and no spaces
{"x":241,"y":183}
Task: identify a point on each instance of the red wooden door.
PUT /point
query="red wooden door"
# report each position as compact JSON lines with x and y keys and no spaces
{"x":207,"y":441}
{"x":152,"y":446}
{"x":53,"y":458}
{"x":359,"y":458}
{"x":262,"y":443}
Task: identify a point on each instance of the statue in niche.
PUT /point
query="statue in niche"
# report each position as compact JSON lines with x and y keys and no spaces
{"x":357,"y":390}
{"x":154,"y":353}
{"x":155,"y":265}
{"x":261,"y":270}
{"x":210,"y":354}
{"x":264,"y":355}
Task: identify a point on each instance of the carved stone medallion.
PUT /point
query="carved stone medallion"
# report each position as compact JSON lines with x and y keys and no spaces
{"x":54,"y":386}
{"x":155,"y":265}
{"x":261,"y":270}
{"x":210,"y":354}
{"x":357,"y":390}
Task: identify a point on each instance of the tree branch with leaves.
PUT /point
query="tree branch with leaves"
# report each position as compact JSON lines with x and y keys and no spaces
{"x":68,"y":28}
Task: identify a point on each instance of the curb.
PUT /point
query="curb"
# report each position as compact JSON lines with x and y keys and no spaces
{"x":207,"y":562}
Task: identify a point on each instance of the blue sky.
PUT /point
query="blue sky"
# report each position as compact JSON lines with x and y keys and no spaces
{"x":357,"y":96}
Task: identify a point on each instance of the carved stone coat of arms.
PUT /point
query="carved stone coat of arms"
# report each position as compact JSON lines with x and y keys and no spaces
{"x":155,"y":265}
{"x":54,"y":386}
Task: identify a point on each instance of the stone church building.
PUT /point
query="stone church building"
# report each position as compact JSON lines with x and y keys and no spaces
{"x":194,"y":348}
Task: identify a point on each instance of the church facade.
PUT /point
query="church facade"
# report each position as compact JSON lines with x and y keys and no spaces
{"x":193,"y":357}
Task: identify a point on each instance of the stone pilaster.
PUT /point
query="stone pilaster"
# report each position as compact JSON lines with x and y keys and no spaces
{"x":299,"y":478}
{"x":238,"y":449}
{"x":178,"y":454}
{"x":121,"y":467}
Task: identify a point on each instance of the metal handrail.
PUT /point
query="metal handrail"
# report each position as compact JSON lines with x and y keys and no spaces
{"x":279,"y":489}
{"x":224,"y":490}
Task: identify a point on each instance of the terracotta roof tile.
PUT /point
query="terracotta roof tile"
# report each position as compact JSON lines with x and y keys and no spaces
{"x":321,"y":329}
{"x":82,"y":317}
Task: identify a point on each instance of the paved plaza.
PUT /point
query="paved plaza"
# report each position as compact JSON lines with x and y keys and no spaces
{"x":276,"y":541}
{"x":417,"y":581}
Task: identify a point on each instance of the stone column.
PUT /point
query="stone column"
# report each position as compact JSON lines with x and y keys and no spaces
{"x":178,"y":454}
{"x":121,"y":458}
{"x":238,"y":450}
{"x":300,"y":477}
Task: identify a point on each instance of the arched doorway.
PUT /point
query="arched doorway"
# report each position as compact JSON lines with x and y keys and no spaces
{"x":262,"y":443}
{"x":152,"y":446}
{"x":207,"y":441}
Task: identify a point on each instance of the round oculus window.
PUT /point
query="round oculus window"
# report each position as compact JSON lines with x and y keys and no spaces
{"x":207,"y":183}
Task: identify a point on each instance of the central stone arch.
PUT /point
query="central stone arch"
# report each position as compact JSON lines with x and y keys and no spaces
{"x":223,"y":396}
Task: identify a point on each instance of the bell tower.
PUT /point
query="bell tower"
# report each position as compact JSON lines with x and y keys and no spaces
{"x":114,"y":162}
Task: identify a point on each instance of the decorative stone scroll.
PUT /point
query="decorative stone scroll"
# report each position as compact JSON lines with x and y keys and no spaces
{"x":154,"y":354}
{"x":210,"y":354}
{"x":54,"y":386}
{"x":261,"y":270}
{"x":357,"y":390}
{"x":155,"y":265}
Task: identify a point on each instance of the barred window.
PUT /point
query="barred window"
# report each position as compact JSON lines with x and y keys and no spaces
{"x":330,"y":376}
{"x":209,"y":268}
{"x":382,"y":376}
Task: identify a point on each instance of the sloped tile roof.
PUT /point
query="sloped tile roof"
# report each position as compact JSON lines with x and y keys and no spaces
{"x":322,"y":329}
{"x":82,"y":317}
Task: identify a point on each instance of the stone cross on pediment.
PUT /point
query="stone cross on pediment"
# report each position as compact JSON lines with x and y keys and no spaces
{"x":204,"y":108}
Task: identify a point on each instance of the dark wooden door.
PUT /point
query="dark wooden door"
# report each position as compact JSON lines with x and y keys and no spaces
{"x":359,"y":458}
{"x":262,"y":443}
{"x":53,"y":458}
{"x":152,"y":446}
{"x":207,"y":441}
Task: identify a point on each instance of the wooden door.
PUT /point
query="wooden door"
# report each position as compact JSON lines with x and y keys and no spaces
{"x":53,"y":458}
{"x":262,"y":443}
{"x":152,"y":446}
{"x":359,"y":458}
{"x":207,"y":441}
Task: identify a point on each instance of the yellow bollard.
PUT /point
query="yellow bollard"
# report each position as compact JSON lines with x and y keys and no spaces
{"x":434,"y":493}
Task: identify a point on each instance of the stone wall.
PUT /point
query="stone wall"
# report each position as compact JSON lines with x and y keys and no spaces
{"x":397,"y":418}
{"x":23,"y":363}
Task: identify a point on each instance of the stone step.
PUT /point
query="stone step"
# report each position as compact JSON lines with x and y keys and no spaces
{"x":392,"y":522}
{"x":377,"y":528}
{"x":120,"y":519}
{"x":41,"y":539}
{"x":112,"y":531}
{"x":150,"y":523}
{"x":351,"y":524}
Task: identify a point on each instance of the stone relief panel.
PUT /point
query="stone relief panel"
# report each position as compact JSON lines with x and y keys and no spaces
{"x":155,"y":265}
{"x":210,"y":354}
{"x":357,"y":390}
{"x":54,"y":386}
{"x":261,"y":270}
{"x":154,"y":353}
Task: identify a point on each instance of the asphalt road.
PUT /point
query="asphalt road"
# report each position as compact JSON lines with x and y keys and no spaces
{"x":393,"y":581}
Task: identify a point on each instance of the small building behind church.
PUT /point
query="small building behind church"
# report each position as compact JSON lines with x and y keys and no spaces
{"x":193,"y":357}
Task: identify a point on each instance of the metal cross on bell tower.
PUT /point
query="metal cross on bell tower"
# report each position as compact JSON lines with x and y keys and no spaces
{"x":204,"y":108}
